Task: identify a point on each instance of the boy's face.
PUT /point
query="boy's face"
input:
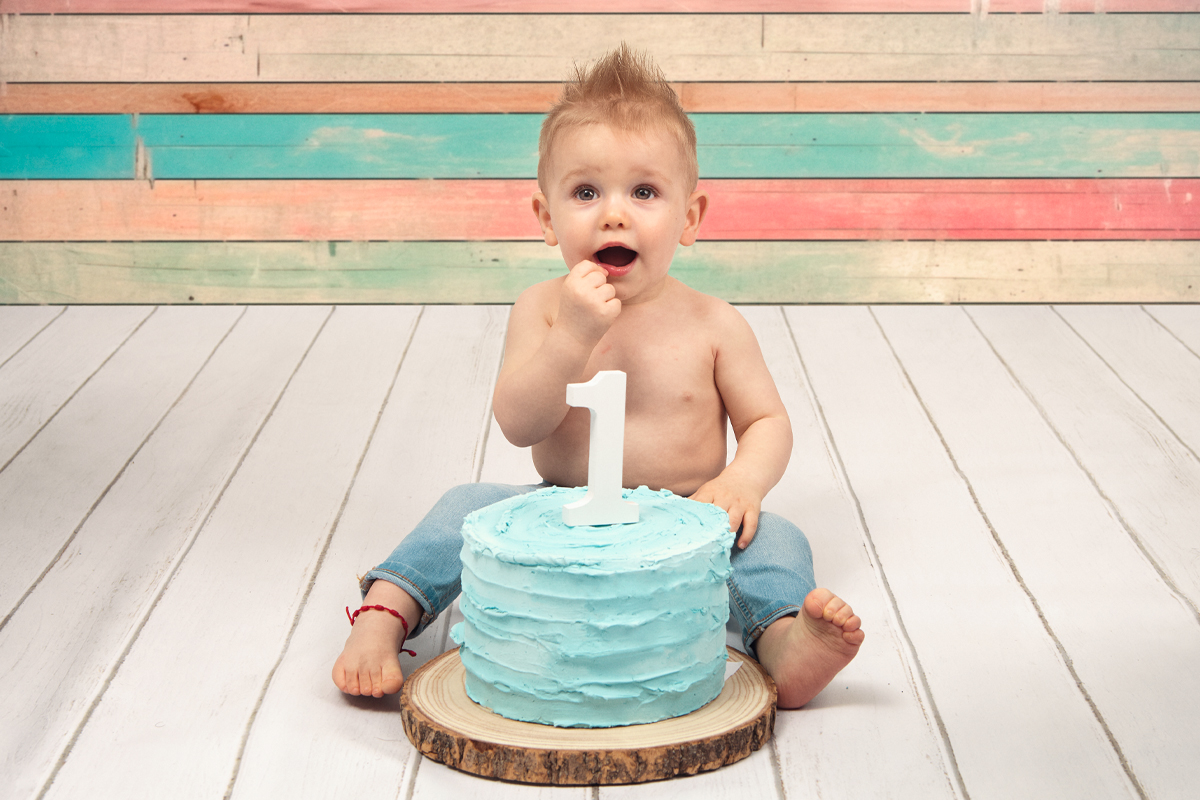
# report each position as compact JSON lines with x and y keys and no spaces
{"x":619,"y":199}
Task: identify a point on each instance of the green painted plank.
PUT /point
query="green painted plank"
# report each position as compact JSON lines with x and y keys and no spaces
{"x":496,"y":272}
{"x":67,"y":146}
{"x":239,"y":146}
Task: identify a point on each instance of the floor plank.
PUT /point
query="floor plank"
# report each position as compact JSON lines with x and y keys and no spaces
{"x":233,"y":599}
{"x":1147,"y":358}
{"x":992,"y":671}
{"x":425,"y":442}
{"x":51,"y":487}
{"x":1132,"y":658}
{"x":20,"y":324}
{"x":36,"y":381}
{"x":56,"y":664}
{"x":1183,"y":321}
{"x":874,"y":705}
{"x":1150,"y":479}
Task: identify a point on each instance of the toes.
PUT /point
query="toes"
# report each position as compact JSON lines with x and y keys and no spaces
{"x":814,"y":604}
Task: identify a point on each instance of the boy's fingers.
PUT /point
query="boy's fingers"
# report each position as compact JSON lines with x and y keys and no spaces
{"x":749,"y":528}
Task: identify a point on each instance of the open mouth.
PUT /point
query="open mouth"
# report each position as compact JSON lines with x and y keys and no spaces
{"x":616,"y":256}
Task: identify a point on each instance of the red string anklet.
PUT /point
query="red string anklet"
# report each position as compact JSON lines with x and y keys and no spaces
{"x":391,"y":611}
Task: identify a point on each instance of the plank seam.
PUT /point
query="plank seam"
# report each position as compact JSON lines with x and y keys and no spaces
{"x":1012,"y":566}
{"x":911,"y":658}
{"x":1166,"y":328}
{"x":1132,"y":391}
{"x":173,"y":568}
{"x":1109,"y":505}
{"x":777,"y":768}
{"x":408,"y":786}
{"x":481,"y":440}
{"x":87,"y":515}
{"x":320,"y":562}
{"x":26,"y":343}
{"x":64,"y":403}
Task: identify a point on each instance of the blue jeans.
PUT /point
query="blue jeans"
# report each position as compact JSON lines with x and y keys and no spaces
{"x":770,"y":578}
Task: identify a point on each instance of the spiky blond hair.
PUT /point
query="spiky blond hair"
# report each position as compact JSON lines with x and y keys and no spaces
{"x":625,"y":90}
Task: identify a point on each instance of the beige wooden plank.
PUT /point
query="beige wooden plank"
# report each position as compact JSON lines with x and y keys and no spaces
{"x":689,"y":47}
{"x":1150,"y":479}
{"x":52,"y":486}
{"x":21,"y":324}
{"x":308,"y":739}
{"x":497,"y":98}
{"x":1135,"y":658}
{"x":497,"y":272}
{"x":200,"y":662}
{"x":56,"y":664}
{"x":1183,"y":321}
{"x":878,"y":703}
{"x":994,"y":674}
{"x":38,"y":380}
{"x":1149,"y":359}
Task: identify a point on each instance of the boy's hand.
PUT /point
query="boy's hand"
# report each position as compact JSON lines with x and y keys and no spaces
{"x":740,"y":500}
{"x":588,"y":304}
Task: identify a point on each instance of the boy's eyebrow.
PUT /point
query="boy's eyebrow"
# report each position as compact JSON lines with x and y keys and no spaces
{"x":571,"y":174}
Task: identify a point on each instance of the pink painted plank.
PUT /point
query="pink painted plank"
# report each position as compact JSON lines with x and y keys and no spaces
{"x":564,"y":6}
{"x":415,"y":210}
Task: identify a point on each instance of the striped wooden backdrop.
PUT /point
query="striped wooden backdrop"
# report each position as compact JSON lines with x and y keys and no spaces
{"x":385,"y":150}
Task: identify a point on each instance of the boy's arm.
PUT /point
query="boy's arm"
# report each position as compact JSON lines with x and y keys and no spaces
{"x":760,"y":423}
{"x":552,"y":330}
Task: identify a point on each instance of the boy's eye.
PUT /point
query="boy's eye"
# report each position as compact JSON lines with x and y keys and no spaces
{"x":585,"y":193}
{"x":643,"y":193}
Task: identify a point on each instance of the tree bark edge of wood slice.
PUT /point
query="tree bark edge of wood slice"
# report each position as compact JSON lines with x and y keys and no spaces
{"x":447,"y":726}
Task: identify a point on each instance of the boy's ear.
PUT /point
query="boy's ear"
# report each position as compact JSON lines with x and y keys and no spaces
{"x":697,"y":206}
{"x":542,"y":210}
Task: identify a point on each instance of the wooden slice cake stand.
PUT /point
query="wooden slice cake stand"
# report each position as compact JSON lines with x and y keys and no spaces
{"x":447,"y":726}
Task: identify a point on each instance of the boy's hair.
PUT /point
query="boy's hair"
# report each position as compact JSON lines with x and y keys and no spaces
{"x":627,"y":91}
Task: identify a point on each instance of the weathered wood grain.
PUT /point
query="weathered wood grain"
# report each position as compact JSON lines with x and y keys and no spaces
{"x":558,"y":6}
{"x":41,"y":377}
{"x":52,"y":485}
{"x":1149,"y":359}
{"x":497,"y":272}
{"x":238,"y":591}
{"x":542,"y":47}
{"x":258,"y":146}
{"x":425,"y":443}
{"x":878,"y":704}
{"x":19,"y":325}
{"x":486,"y":209}
{"x":1142,"y":469}
{"x":1059,"y":536}
{"x":124,"y":555}
{"x":992,"y":670}
{"x":1183,"y":321}
{"x":495,"y":98}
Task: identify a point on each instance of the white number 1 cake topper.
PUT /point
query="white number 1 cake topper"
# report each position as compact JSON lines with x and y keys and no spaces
{"x":604,"y":396}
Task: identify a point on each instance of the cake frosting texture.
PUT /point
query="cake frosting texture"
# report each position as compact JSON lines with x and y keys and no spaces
{"x":594,"y":626}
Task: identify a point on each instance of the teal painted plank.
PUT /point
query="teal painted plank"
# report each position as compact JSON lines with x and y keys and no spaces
{"x":67,"y":146}
{"x":240,"y":146}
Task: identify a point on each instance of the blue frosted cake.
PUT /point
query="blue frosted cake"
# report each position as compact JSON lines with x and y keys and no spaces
{"x":594,"y":626}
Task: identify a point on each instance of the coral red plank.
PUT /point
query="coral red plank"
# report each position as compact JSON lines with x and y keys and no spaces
{"x":563,"y":6}
{"x":448,"y":98}
{"x":411,"y":210}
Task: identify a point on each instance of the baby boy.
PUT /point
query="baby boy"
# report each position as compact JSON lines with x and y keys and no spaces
{"x":617,"y":180}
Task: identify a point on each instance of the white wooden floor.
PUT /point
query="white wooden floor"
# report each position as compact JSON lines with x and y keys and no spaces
{"x":1009,"y":496}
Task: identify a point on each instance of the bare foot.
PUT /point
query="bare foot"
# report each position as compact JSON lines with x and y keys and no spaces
{"x":369,"y":663}
{"x":803,"y":653}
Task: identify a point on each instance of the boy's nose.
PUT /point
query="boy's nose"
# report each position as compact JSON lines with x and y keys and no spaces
{"x":614,"y":214}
